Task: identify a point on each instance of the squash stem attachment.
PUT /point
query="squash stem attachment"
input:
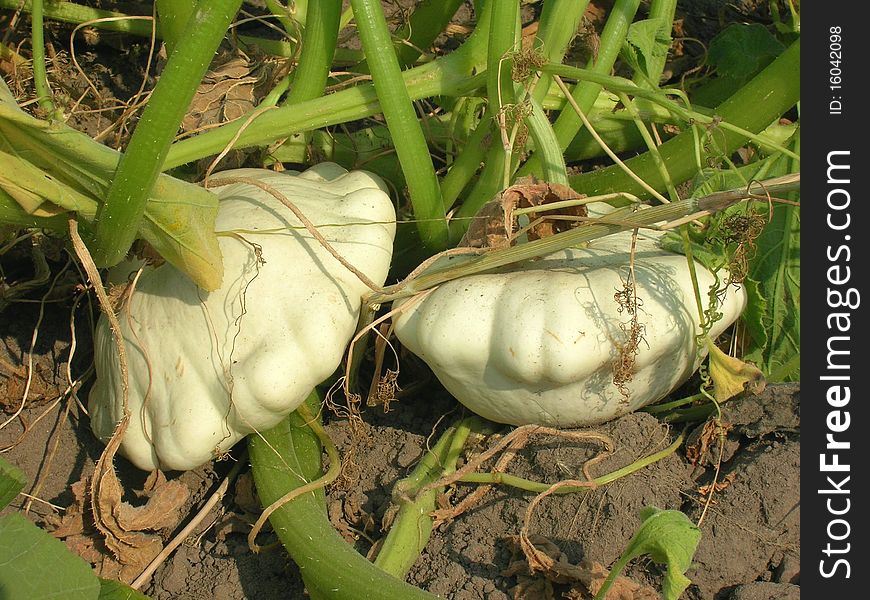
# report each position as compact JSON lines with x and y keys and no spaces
{"x":413,"y":523}
{"x":285,"y":458}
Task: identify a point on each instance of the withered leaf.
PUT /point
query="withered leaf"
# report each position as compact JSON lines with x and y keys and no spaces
{"x":112,"y":534}
{"x":496,"y":226}
{"x":539,"y":558}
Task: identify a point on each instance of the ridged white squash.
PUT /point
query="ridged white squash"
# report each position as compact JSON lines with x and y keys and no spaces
{"x":536,"y":342}
{"x":205,"y":369}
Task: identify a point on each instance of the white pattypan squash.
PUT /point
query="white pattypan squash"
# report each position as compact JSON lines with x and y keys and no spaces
{"x":205,"y":369}
{"x":536,"y":342}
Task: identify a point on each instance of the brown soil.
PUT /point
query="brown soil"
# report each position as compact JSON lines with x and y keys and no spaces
{"x":749,"y":548}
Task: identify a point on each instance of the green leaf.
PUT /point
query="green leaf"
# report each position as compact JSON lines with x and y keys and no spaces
{"x":776,"y":328}
{"x":777,"y":270}
{"x":669,"y":538}
{"x":34,"y":565}
{"x":68,"y":169}
{"x":646,"y":39}
{"x":111,"y":589}
{"x":12,"y":481}
{"x":742,"y":50}
{"x":754,"y":315}
{"x":772,"y":316}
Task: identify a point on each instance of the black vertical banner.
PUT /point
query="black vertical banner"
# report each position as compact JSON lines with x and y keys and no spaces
{"x":835,"y":461}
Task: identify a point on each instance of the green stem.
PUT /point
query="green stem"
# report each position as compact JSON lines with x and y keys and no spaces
{"x":40,"y":77}
{"x":558,"y":26}
{"x":450,"y":75}
{"x":758,"y":103}
{"x":538,"y":487}
{"x":568,"y":124}
{"x":172,"y":17}
{"x":546,"y":145}
{"x":309,"y":80}
{"x":655,"y":63}
{"x":321,"y":38}
{"x":140,"y":25}
{"x":652,"y":148}
{"x":499,"y":85}
{"x":301,"y":10}
{"x":428,"y":20}
{"x":118,"y":218}
{"x":412,"y":527}
{"x":655,"y":409}
{"x":700,"y":116}
{"x":468,"y":162}
{"x":401,"y":118}
{"x":488,"y":184}
{"x":280,"y":13}
{"x":330,"y":567}
{"x":624,"y":219}
{"x":495,"y":175}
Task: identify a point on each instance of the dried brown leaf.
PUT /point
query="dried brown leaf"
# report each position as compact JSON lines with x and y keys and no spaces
{"x":114,"y":538}
{"x":495,"y":225}
{"x":542,"y":560}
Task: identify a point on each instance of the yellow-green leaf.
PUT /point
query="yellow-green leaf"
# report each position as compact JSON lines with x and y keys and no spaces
{"x":731,"y":376}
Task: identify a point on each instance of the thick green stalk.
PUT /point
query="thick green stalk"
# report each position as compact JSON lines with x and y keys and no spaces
{"x":140,"y":25}
{"x":655,"y":64}
{"x":489,"y":183}
{"x":301,"y":8}
{"x":118,"y":219}
{"x":612,"y":38}
{"x":354,"y":103}
{"x":309,"y":80}
{"x":401,"y":118}
{"x":321,"y":38}
{"x":468,"y":162}
{"x":428,"y":20}
{"x":558,"y":26}
{"x":495,"y":175}
{"x":546,"y":145}
{"x":172,"y":17}
{"x":412,"y":527}
{"x":178,"y":223}
{"x":37,"y":43}
{"x":500,"y":87}
{"x":568,"y":124}
{"x":330,"y":567}
{"x":280,"y":13}
{"x":450,"y":75}
{"x":758,"y":103}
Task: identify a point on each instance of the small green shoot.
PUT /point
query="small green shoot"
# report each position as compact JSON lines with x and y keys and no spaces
{"x":669,"y":538}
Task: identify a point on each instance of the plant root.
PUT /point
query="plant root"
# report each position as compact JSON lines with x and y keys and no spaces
{"x":508,"y":446}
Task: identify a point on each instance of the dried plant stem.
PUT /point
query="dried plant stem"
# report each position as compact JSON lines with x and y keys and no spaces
{"x":521,"y":435}
{"x":603,"y":144}
{"x":104,"y":470}
{"x":216,"y":497}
